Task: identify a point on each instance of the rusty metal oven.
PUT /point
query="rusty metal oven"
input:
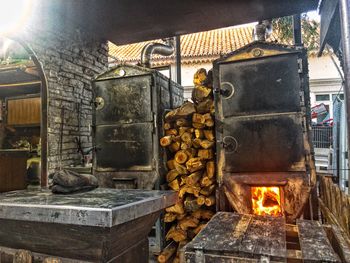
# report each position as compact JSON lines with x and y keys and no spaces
{"x":129,"y":105}
{"x":263,"y":126}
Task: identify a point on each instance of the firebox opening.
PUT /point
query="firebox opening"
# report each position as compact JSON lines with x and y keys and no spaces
{"x":266,"y":200}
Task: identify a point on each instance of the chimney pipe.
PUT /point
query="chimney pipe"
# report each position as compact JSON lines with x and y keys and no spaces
{"x":156,"y":48}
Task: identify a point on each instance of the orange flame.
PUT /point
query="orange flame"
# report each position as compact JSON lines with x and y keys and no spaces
{"x":266,"y":201}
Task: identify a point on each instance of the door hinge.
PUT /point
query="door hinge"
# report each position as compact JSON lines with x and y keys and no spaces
{"x":346,"y":155}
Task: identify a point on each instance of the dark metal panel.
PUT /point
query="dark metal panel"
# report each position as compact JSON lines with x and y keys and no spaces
{"x":263,"y":143}
{"x":260,"y":86}
{"x":330,"y":25}
{"x":124,"y":100}
{"x":130,"y":21}
{"x":124,"y":147}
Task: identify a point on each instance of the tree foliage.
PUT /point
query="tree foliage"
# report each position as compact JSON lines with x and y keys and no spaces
{"x":283,"y":27}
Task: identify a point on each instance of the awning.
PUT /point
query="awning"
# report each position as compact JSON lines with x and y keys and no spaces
{"x":130,"y":21}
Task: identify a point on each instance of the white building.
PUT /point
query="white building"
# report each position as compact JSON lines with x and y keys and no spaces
{"x":200,"y":49}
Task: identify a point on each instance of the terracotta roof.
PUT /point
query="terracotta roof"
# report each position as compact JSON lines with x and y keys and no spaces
{"x":195,"y":48}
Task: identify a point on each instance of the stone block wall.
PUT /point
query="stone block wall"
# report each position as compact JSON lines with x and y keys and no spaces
{"x":70,"y":62}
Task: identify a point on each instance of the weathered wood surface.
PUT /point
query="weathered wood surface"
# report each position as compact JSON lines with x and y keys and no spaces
{"x":315,"y":246}
{"x":242,"y":236}
{"x":231,"y":237}
{"x":85,"y":243}
{"x":339,"y":241}
{"x":334,"y":204}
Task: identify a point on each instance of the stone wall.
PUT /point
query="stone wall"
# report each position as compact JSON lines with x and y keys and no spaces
{"x":70,"y":62}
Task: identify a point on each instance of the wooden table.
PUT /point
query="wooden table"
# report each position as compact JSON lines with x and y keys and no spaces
{"x":231,"y":237}
{"x":103,"y":225}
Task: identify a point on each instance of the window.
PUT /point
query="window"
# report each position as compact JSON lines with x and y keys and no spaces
{"x":322,"y":97}
{"x":340,"y":95}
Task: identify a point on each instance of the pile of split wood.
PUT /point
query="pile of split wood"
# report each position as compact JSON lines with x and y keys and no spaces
{"x":189,"y":138}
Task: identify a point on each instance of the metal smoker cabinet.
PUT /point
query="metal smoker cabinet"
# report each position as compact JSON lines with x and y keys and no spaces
{"x":130,"y":102}
{"x":263,"y":124}
{"x":262,"y":103}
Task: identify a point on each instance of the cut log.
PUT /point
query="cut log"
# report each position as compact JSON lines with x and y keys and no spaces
{"x":207,"y":144}
{"x":198,"y":118}
{"x":181,"y":169}
{"x":167,"y":126}
{"x":172,"y":132}
{"x":210,"y":169}
{"x":196,"y":143}
{"x":170,"y":164}
{"x":209,"y":123}
{"x":182,"y":122}
{"x":209,"y":135}
{"x":174,"y":185}
{"x":181,"y":157}
{"x":166,"y":141}
{"x":198,"y":125}
{"x":180,"y":216}
{"x":198,"y":133}
{"x":190,"y":190}
{"x":195,"y":164}
{"x":206,"y":154}
{"x":22,"y":256}
{"x":174,"y":147}
{"x":171,"y":175}
{"x":191,"y":152}
{"x":203,"y":214}
{"x":190,"y":204}
{"x":185,"y":110}
{"x":205,"y":106}
{"x":177,"y":208}
{"x":183,"y":180}
{"x":183,"y":129}
{"x":201,"y":200}
{"x":176,"y":234}
{"x":200,"y":77}
{"x":209,"y":201}
{"x":188,"y":222}
{"x":193,"y":178}
{"x":207,"y":191}
{"x":186,"y":137}
{"x":185,"y":145}
{"x":168,"y":252}
{"x":200,"y":93}
{"x":206,"y":181}
{"x":169,"y":217}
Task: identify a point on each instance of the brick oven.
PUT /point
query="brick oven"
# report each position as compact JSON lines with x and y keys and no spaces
{"x":264,"y":151}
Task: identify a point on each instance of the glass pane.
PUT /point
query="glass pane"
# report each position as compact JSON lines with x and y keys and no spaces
{"x":340,"y":96}
{"x":322,"y":97}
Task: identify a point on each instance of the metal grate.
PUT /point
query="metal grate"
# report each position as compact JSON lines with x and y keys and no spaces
{"x":322,"y":136}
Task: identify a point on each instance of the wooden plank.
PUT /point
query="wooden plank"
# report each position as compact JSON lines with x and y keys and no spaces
{"x":339,"y":240}
{"x":219,"y":234}
{"x":246,"y":236}
{"x":314,"y":243}
{"x":265,"y":236}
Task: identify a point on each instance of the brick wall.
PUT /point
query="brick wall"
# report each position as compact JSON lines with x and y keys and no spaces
{"x":70,"y":61}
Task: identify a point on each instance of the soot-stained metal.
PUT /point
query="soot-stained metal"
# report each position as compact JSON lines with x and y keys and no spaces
{"x":263,"y":135}
{"x":130,"y":102}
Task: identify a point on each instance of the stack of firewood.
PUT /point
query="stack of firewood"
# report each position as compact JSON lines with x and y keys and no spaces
{"x":190,"y":140}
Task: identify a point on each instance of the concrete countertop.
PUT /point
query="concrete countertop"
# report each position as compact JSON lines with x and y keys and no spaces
{"x":101,"y":207}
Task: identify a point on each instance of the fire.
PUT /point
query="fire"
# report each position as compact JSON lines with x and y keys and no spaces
{"x":266,"y":201}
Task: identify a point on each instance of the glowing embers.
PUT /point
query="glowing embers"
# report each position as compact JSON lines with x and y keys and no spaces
{"x":266,"y":201}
